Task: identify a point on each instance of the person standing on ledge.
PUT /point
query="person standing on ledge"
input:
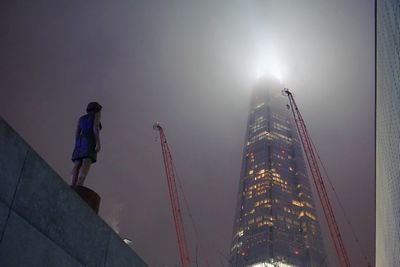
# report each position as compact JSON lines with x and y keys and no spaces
{"x":87,"y":143}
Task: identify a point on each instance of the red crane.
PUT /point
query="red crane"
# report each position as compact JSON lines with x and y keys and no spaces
{"x":173,"y":194}
{"x":319,"y":183}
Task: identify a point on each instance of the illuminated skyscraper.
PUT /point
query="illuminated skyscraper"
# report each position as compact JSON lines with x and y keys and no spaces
{"x":388,"y":133}
{"x":275,"y":222}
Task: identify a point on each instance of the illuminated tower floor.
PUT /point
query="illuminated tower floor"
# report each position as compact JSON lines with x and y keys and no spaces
{"x":275,"y":222}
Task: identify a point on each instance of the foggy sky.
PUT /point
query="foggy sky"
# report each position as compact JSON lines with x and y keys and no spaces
{"x":191,"y":66}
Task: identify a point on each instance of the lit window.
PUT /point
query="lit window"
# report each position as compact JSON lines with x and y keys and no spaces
{"x":310,"y":215}
{"x":240,"y":233}
{"x":297,"y":203}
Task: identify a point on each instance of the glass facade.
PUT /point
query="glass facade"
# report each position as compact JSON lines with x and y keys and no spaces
{"x":275,"y":221}
{"x":388,"y":134}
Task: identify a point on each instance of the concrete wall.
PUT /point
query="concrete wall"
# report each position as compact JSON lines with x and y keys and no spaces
{"x":43,"y":222}
{"x":388,"y":133}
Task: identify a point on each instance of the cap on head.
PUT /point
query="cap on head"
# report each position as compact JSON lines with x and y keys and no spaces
{"x":93,"y":107}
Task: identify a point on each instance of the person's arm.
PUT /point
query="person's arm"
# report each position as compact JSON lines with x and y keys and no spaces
{"x":96,"y":130}
{"x":77,"y":131}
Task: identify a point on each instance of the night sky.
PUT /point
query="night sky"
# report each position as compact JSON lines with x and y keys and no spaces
{"x":191,"y":66}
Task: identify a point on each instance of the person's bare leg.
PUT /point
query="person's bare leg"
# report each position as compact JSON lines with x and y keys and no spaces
{"x":75,"y":172}
{"x":83,"y":171}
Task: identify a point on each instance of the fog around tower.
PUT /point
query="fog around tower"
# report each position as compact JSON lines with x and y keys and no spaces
{"x":191,"y":66}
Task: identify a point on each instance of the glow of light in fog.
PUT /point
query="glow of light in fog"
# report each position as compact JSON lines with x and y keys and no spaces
{"x":274,"y":71}
{"x":267,"y":62}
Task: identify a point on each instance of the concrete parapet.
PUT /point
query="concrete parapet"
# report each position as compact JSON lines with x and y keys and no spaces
{"x":43,"y":222}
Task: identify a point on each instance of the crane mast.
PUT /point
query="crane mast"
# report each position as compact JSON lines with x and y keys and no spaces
{"x":319,"y":184}
{"x":173,"y":194}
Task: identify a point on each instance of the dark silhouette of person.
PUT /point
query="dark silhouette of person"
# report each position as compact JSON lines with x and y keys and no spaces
{"x":87,"y":143}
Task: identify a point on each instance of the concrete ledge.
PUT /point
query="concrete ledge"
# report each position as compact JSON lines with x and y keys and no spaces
{"x":12,"y":155}
{"x":31,"y":248}
{"x":49,"y":224}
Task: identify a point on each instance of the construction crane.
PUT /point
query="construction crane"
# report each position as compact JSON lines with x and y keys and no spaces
{"x":319,"y":183}
{"x":173,"y":194}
